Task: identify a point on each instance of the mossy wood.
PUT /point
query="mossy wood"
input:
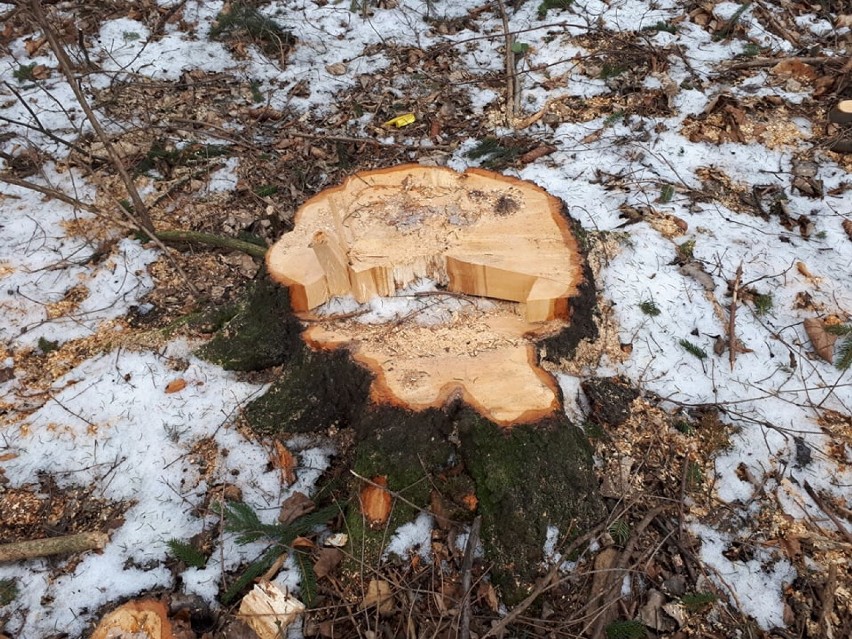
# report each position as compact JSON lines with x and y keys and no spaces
{"x":525,"y":478}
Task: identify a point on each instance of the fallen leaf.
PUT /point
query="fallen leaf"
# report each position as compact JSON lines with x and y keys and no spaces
{"x":847,"y":226}
{"x":488,"y":595}
{"x":40,"y":72}
{"x":803,"y":269}
{"x":329,"y":559}
{"x":285,"y":461}
{"x":338,"y":68}
{"x":794,"y":69}
{"x":379,"y":595}
{"x":296,"y":505}
{"x":303,"y":543}
{"x":32,"y":46}
{"x":376,"y":501}
{"x":536,"y":153}
{"x":822,"y":340}
{"x":175,"y":386}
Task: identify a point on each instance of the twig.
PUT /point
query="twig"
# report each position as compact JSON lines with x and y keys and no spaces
{"x":771,"y":62}
{"x":212,"y":240}
{"x":33,"y":548}
{"x":467,"y":565}
{"x":38,"y":126}
{"x":822,"y":506}
{"x":512,"y":93}
{"x":732,"y":318}
{"x":546,"y":583}
{"x":141,"y":217}
{"x":827,"y":600}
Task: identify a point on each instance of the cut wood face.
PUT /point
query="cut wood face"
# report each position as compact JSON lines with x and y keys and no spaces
{"x":477,"y":233}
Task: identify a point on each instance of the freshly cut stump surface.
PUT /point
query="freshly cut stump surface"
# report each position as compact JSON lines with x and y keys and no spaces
{"x":479,"y":234}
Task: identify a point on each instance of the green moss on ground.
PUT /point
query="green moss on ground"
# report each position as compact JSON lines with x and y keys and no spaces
{"x":315,"y":390}
{"x":527,"y":479}
{"x":261,"y":333}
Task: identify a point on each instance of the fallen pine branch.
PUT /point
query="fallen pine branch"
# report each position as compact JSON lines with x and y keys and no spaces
{"x":67,"y":544}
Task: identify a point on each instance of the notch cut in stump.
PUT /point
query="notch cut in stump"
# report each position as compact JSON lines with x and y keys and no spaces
{"x":476,"y":233}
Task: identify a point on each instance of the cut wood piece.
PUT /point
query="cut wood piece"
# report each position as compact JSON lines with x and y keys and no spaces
{"x":841,"y":113}
{"x":333,"y":261}
{"x":141,"y":619}
{"x":269,"y":610}
{"x":477,"y":233}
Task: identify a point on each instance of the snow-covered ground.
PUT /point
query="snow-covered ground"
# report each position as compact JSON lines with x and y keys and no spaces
{"x":109,"y":423}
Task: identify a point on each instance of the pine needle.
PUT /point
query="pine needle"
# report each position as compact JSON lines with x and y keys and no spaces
{"x":699,"y":352}
{"x":844,"y":355}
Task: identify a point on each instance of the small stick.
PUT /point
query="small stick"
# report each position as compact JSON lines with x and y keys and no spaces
{"x":546,"y":583}
{"x":828,"y":592}
{"x":142,"y":216}
{"x":467,"y":565}
{"x":511,"y":80}
{"x":822,"y":506}
{"x":732,"y":318}
{"x":34,"y":548}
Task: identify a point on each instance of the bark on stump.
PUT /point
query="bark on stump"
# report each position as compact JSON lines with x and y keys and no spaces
{"x":528,"y":466}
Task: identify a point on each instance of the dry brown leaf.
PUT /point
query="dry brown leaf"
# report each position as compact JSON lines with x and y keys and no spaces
{"x":803,"y":269}
{"x":329,"y":559}
{"x":32,"y":46}
{"x":338,"y":68}
{"x":822,"y":340}
{"x":7,"y":456}
{"x":794,"y":69}
{"x":304,"y":543}
{"x":296,"y":505}
{"x":175,"y":386}
{"x":439,"y":510}
{"x":379,"y":595}
{"x":536,"y":153}
{"x":592,"y":137}
{"x":285,"y":461}
{"x":847,"y":226}
{"x":487,"y":595}
{"x":376,"y":501}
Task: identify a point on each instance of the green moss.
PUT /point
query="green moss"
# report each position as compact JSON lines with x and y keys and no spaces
{"x":261,"y":333}
{"x":24,"y":73}
{"x":244,"y":21}
{"x":47,"y":346}
{"x":527,"y":479}
{"x":406,"y":448}
{"x":547,"y":5}
{"x":8,"y":591}
{"x":315,"y":390}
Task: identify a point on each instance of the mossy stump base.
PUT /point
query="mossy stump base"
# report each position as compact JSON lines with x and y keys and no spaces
{"x":525,"y":478}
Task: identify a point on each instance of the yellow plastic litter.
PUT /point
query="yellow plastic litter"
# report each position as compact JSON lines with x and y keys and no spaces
{"x":401,"y":120}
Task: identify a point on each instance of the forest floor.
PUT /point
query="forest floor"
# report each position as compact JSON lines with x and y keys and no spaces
{"x":692,"y":142}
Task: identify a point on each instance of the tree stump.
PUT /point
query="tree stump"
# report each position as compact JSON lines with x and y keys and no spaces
{"x":425,"y":396}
